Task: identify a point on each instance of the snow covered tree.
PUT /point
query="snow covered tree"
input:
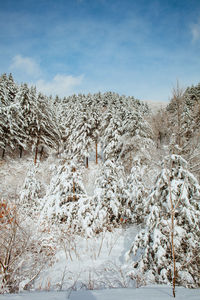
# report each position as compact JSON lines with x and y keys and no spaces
{"x":66,"y":186}
{"x":167,"y":246}
{"x":11,"y":133}
{"x":66,"y":201}
{"x":81,"y":138}
{"x":44,"y":131}
{"x":12,"y":88}
{"x":112,"y":136}
{"x":26,"y":99}
{"x":184,"y":117}
{"x":137,"y":192}
{"x":31,"y":192}
{"x":110,"y":196}
{"x":37,"y":120}
{"x":4,"y":119}
{"x":95,"y":116}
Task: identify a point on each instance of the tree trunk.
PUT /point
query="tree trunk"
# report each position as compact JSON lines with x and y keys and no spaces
{"x":36,"y":151}
{"x":36,"y":154}
{"x":20,"y":151}
{"x":173,"y":254}
{"x":86,"y":162}
{"x":74,"y":189}
{"x":172,"y":212}
{"x":41,"y":152}
{"x":96,"y":144}
{"x":3,"y":153}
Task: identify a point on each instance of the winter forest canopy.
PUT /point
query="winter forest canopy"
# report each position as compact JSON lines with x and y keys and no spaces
{"x":110,"y":163}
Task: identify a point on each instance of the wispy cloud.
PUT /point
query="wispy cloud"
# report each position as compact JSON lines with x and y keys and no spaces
{"x":26,"y":65}
{"x":62,"y":85}
{"x":29,"y":69}
{"x":195,"y":31}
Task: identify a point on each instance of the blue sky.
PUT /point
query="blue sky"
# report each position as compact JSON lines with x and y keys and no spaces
{"x":132,"y":47}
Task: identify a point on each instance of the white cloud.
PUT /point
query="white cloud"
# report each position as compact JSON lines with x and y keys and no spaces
{"x":26,"y":65}
{"x":195,"y":30}
{"x":62,"y":85}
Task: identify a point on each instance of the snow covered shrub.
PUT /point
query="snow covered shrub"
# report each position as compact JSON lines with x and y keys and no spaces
{"x":110,"y":196}
{"x":22,"y":253}
{"x":172,"y":227}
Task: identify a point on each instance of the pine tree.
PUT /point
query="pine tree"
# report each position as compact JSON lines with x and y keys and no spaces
{"x":66,"y":201}
{"x":66,"y":186}
{"x":31,"y":192}
{"x":163,"y":240}
{"x":110,"y":196}
{"x":4,"y":120}
{"x":12,"y":134}
{"x":37,"y":120}
{"x":45,"y":131}
{"x":81,"y":138}
{"x":12,"y":88}
{"x":137,"y":192}
{"x":112,"y":136}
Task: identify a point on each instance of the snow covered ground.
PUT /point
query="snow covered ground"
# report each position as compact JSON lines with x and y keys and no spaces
{"x":144,"y":293}
{"x":85,"y":268}
{"x":90,"y":263}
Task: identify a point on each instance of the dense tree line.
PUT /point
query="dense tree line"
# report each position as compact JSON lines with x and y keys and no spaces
{"x":29,"y":120}
{"x":26,"y":118}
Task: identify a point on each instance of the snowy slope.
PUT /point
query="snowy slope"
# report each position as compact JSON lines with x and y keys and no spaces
{"x":87,"y":263}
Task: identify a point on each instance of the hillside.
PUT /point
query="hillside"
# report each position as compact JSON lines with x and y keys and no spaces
{"x":96,"y":191}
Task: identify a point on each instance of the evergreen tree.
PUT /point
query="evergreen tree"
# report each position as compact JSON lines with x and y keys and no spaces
{"x":137,"y":192}
{"x":66,"y":200}
{"x":4,"y":122}
{"x":31,"y":192}
{"x":9,"y":111}
{"x":172,"y":228}
{"x":12,"y":88}
{"x":66,"y":186}
{"x":112,"y":138}
{"x":110,"y":196}
{"x":45,"y":131}
{"x":81,"y":138}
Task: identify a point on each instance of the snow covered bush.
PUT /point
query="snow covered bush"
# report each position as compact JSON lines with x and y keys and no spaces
{"x":174,"y":195}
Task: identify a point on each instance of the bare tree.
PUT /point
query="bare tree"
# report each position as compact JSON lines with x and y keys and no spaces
{"x":178,"y":104}
{"x":22,"y":254}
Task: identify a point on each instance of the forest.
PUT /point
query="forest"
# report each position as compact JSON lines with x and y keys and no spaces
{"x":84,"y":167}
